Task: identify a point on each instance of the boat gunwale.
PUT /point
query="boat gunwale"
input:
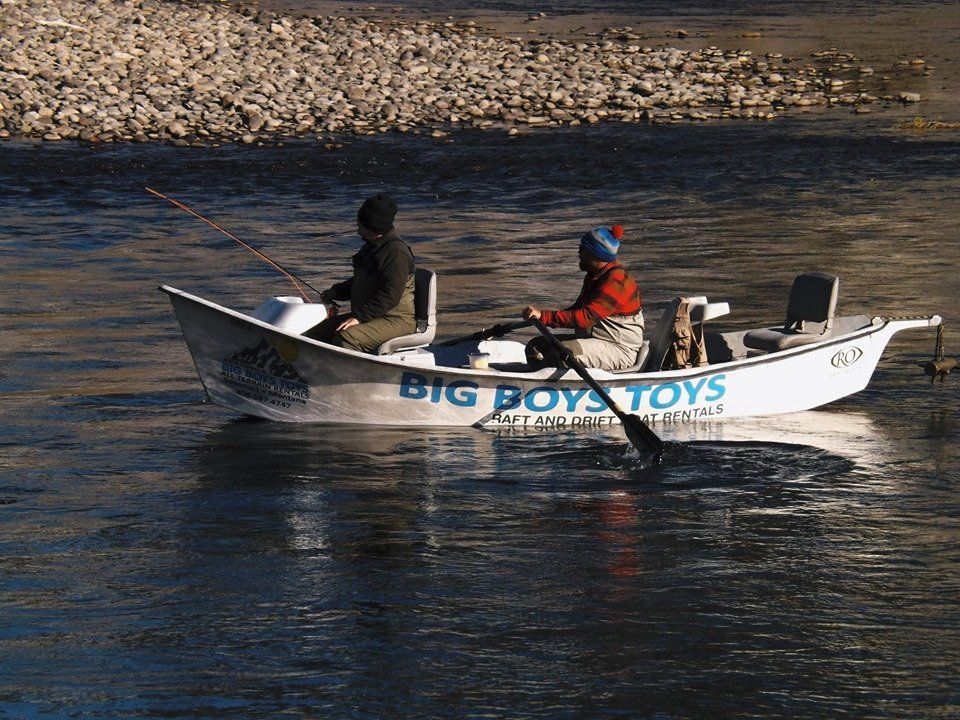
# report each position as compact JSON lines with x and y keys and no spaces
{"x":875,"y":325}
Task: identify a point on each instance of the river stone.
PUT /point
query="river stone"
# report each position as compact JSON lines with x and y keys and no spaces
{"x":144,"y":70}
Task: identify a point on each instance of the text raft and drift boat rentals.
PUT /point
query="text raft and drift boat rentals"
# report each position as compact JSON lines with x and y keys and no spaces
{"x":259,"y":364}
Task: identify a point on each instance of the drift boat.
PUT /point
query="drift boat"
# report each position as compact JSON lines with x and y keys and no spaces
{"x":260,"y":364}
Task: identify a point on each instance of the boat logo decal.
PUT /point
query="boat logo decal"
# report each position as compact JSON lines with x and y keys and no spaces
{"x":265,"y":373}
{"x":846,"y":358}
{"x":664,"y":402}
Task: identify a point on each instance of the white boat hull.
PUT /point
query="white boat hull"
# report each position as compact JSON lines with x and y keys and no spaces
{"x":258,"y":369}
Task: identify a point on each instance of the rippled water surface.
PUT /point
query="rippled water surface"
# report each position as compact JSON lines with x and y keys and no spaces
{"x":160,"y":557}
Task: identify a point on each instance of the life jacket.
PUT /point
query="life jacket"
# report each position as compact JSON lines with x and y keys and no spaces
{"x":687,"y":348}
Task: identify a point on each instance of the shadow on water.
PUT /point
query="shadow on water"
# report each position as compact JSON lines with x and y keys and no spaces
{"x":703,"y":465}
{"x":251,"y":454}
{"x":387,"y":491}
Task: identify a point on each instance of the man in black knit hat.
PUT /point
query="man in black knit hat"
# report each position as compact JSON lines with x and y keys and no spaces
{"x":381,"y":289}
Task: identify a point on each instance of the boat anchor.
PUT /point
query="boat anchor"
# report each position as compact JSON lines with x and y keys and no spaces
{"x":940,"y":366}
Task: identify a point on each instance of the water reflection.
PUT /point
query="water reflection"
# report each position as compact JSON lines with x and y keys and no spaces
{"x":355,"y":566}
{"x":331,"y":500}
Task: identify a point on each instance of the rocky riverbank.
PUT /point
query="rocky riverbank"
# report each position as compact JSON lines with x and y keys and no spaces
{"x":150,"y":70}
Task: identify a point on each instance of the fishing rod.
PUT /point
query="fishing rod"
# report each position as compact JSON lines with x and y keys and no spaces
{"x":293,"y":278}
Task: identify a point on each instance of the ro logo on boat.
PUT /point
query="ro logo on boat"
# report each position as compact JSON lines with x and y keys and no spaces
{"x":846,"y":358}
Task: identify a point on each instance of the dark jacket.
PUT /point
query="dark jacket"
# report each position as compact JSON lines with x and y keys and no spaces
{"x":382,"y":279}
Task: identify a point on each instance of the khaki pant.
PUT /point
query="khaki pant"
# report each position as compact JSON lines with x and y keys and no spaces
{"x":590,"y":352}
{"x":365,"y":337}
{"x":614,"y":343}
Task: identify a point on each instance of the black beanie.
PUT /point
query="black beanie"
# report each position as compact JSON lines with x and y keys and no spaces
{"x":377,"y":213}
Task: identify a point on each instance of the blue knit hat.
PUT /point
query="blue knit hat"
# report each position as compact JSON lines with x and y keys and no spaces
{"x":602,"y":242}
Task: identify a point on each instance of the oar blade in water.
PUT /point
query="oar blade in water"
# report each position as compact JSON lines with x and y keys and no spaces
{"x":638,"y":433}
{"x":646,"y":442}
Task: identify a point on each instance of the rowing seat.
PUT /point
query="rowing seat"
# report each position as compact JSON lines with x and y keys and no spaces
{"x":654,"y":350}
{"x":813,"y":300}
{"x":660,"y":337}
{"x":637,"y":366}
{"x":425,"y":308}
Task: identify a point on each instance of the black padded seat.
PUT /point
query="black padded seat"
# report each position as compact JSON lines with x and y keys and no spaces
{"x":810,"y":310}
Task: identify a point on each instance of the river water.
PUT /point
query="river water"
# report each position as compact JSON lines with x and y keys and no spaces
{"x":161,"y":557}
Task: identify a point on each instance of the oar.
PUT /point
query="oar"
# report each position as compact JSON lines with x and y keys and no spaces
{"x":640,"y":436}
{"x":493,"y":331}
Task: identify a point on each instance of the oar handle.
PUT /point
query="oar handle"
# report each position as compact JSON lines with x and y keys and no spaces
{"x":577,"y":366}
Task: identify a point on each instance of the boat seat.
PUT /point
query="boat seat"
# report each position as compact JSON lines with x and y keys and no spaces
{"x":700,"y":311}
{"x":810,"y":309}
{"x":425,"y":307}
{"x":642,"y":355}
{"x":660,"y":337}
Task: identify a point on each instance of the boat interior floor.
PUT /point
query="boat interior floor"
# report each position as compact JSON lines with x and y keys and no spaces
{"x":507,"y":356}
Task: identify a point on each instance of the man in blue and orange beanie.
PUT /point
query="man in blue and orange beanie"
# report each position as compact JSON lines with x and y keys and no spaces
{"x":607,"y":316}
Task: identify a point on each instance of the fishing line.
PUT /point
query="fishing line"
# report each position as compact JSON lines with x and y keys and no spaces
{"x":290,"y":276}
